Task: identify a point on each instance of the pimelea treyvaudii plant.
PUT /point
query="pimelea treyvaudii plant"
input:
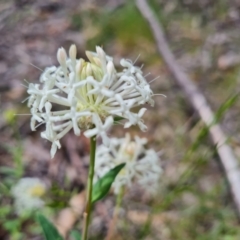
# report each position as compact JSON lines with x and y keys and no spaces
{"x":86,"y":97}
{"x":142,"y":165}
{"x":90,"y":94}
{"x":27,"y":194}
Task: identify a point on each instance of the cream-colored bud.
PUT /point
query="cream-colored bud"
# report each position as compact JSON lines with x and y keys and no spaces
{"x":101,"y":53}
{"x":79,"y":66}
{"x":62,"y":56}
{"x":97,"y":72}
{"x":89,"y":71}
{"x":83,"y":74}
{"x":90,"y":56}
{"x":73,"y":52}
{"x":86,"y":69}
{"x":130,"y":148}
{"x":97,"y":61}
{"x":110,"y":68}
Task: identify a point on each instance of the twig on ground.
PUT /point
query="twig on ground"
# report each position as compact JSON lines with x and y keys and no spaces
{"x":199,"y":103}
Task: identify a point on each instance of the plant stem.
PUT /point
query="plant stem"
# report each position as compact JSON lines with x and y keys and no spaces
{"x":119,"y":202}
{"x":115,"y":214}
{"x":88,"y":209}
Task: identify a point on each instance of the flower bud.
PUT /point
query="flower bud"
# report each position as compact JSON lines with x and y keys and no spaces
{"x":73,"y":52}
{"x":90,"y":70}
{"x":62,"y":56}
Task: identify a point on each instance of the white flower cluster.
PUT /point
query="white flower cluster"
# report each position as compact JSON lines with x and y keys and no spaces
{"x":86,"y":96}
{"x":27,"y":194}
{"x":142,"y":165}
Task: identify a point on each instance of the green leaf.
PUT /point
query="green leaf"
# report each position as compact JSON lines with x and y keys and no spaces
{"x":4,"y":189}
{"x":102,"y":186}
{"x":12,"y":225}
{"x":117,"y":119}
{"x":7,"y":170}
{"x":225,"y":107}
{"x":4,"y":211}
{"x":76,"y":235}
{"x":50,"y":232}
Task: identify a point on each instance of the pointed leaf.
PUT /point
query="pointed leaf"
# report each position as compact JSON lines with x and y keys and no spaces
{"x":50,"y":231}
{"x":102,"y":186}
{"x":117,"y":119}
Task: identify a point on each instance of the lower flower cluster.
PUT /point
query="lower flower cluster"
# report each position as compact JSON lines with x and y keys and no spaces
{"x":142,"y":164}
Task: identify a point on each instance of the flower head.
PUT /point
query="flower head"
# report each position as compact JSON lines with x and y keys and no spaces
{"x":86,"y":96}
{"x":27,"y":193}
{"x":142,"y":165}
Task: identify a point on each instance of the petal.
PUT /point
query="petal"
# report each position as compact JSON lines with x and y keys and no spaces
{"x":107,"y":93}
{"x":83,"y":113}
{"x":127,"y":124}
{"x":66,"y":130}
{"x":108,"y":123}
{"x":93,"y":91}
{"x":97,"y":120}
{"x":141,"y":112}
{"x":91,"y":132}
{"x":105,"y":139}
{"x":42,"y":102}
{"x":119,"y":99}
{"x":53,"y":150}
{"x":43,"y":135}
{"x":142,"y":126}
{"x":35,"y":116}
{"x":76,"y":129}
{"x":33,"y":123}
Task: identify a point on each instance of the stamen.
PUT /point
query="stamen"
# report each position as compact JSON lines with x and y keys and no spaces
{"x":154,"y":79}
{"x":136,"y":59}
{"x":159,"y":94}
{"x":23,"y":114}
{"x":147,"y":74}
{"x":36,"y":67}
{"x":39,"y":124}
{"x":26,"y":81}
{"x":25,"y":99}
{"x":24,"y":85}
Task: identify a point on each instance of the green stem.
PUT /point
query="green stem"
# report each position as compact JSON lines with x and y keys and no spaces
{"x":115,"y":214}
{"x":88,"y":209}
{"x":119,"y":202}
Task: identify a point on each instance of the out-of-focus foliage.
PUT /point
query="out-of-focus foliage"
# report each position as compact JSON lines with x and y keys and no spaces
{"x":193,"y":200}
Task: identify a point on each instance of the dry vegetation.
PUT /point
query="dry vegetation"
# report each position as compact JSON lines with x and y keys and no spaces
{"x":193,"y":201}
